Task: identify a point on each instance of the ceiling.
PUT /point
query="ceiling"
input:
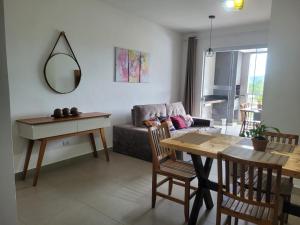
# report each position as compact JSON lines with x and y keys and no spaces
{"x":192,"y":15}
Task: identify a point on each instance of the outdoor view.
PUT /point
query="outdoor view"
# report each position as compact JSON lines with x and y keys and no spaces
{"x":256,"y":78}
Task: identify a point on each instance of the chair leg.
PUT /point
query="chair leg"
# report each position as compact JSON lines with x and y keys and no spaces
{"x":154,"y":184}
{"x":228,"y":221}
{"x":242,"y":128}
{"x":170,"y":186}
{"x":187,"y":200}
{"x":282,"y":219}
{"x":236,"y":221}
{"x":286,"y":215}
{"x":218,"y":219}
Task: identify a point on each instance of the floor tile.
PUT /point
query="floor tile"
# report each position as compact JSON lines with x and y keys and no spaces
{"x":92,"y":191}
{"x":79,"y":215}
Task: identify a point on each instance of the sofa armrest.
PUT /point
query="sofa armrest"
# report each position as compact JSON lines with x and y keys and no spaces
{"x":198,"y":122}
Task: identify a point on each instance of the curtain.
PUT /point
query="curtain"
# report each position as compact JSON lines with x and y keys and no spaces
{"x":189,"y":91}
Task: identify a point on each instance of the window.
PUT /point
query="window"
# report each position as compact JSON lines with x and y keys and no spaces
{"x":256,"y":78}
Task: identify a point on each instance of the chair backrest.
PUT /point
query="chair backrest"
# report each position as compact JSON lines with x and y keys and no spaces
{"x":259,"y":186}
{"x":282,"y":138}
{"x":159,"y":153}
{"x":243,"y":106}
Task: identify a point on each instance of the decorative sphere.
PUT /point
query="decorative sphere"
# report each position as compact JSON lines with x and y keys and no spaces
{"x":57,"y":113}
{"x":74,"y":111}
{"x":66,"y":111}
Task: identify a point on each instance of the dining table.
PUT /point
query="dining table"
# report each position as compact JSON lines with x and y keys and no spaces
{"x":204,"y":148}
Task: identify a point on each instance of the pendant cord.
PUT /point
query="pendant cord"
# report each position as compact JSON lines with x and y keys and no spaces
{"x":210,"y":33}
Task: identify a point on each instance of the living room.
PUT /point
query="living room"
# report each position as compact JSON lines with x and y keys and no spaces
{"x":70,"y":185}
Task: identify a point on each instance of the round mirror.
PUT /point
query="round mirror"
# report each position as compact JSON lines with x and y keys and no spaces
{"x":62,"y":73}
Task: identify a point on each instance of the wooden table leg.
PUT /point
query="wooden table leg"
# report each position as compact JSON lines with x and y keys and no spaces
{"x":93,"y":143}
{"x":204,"y":186}
{"x":102,"y":135}
{"x":291,"y":209}
{"x":27,"y":158}
{"x":40,"y":160}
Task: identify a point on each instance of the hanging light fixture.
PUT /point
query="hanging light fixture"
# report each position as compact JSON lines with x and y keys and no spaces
{"x":235,"y":4}
{"x":210,"y":51}
{"x":239,"y":4}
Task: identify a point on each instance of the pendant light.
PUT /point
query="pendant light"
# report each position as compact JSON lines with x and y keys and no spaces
{"x":239,"y":4}
{"x":234,"y":4}
{"x":210,"y":51}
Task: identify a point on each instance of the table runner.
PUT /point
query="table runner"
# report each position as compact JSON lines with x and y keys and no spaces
{"x":194,"y":138}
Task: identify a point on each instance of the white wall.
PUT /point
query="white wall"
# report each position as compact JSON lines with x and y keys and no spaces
{"x":208,"y":80}
{"x":7,"y":183}
{"x":244,"y":77}
{"x":282,"y":93}
{"x":247,"y":36}
{"x":94,"y":29}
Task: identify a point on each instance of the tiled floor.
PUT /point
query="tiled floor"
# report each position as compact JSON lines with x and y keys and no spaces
{"x":233,"y":129}
{"x":91,"y":191}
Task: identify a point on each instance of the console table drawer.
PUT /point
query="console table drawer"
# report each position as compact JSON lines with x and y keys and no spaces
{"x":94,"y":123}
{"x":34,"y":132}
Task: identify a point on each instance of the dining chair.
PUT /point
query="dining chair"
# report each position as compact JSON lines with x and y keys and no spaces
{"x":248,"y":202}
{"x":286,"y":182}
{"x":175,"y":172}
{"x":282,"y":138}
{"x":247,"y":119}
{"x":243,"y":106}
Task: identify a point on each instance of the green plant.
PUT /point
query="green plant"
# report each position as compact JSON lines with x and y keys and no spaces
{"x":258,"y":131}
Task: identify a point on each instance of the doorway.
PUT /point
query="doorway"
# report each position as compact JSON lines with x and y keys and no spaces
{"x":233,"y":81}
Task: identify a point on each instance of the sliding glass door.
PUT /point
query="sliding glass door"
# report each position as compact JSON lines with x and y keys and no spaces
{"x":232,"y":82}
{"x":256,"y":79}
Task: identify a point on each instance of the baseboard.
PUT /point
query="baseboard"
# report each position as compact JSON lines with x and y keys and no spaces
{"x":48,"y":167}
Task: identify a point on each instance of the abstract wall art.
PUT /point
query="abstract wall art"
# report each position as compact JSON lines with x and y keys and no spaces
{"x":134,"y":58}
{"x":144,"y":74}
{"x":121,"y":65}
{"x":132,"y":66}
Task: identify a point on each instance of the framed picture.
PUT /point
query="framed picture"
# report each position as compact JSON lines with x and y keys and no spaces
{"x":134,"y":66}
{"x":144,"y":74}
{"x":131,"y":66}
{"x":121,"y":69}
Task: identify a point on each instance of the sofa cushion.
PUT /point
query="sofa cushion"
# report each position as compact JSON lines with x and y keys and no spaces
{"x":188,"y":120}
{"x":175,"y":109}
{"x":178,"y":122}
{"x":153,"y":122}
{"x":167,"y":119}
{"x":144,"y":112}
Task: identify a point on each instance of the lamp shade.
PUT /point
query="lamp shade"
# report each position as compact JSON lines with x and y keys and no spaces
{"x":210,"y":52}
{"x":239,"y":4}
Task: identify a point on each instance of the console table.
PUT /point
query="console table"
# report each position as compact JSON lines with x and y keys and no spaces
{"x":45,"y":129}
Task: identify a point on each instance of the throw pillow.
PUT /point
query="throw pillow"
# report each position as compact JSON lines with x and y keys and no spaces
{"x":167,"y":119}
{"x":188,"y":120}
{"x":153,"y":122}
{"x":178,"y":122}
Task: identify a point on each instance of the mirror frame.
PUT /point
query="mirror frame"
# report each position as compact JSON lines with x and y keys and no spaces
{"x":45,"y":74}
{"x":62,"y":35}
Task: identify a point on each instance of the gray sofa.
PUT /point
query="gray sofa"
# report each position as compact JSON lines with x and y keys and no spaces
{"x":132,"y":139}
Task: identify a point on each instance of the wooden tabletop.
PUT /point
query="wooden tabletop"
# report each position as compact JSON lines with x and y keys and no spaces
{"x":46,"y":120}
{"x":256,"y":156}
{"x":208,"y":145}
{"x":209,"y":148}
